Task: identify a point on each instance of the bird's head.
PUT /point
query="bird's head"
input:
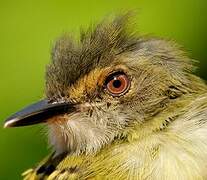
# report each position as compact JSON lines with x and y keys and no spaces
{"x":108,"y":82}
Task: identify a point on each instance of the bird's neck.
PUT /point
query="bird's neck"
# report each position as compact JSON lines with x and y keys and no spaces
{"x":170,"y":145}
{"x":172,"y":141}
{"x":161,"y":121}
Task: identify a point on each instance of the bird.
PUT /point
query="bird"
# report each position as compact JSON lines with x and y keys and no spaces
{"x":120,"y":105}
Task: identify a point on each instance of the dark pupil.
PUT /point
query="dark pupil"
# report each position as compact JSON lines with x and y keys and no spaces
{"x":117,"y":83}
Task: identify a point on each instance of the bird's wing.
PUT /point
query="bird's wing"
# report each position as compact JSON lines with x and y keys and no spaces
{"x":52,"y":167}
{"x":44,"y":169}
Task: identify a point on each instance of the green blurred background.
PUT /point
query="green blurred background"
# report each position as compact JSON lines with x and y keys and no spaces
{"x":27,"y":31}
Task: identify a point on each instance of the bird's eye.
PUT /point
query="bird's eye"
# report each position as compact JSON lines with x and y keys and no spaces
{"x":117,"y":84}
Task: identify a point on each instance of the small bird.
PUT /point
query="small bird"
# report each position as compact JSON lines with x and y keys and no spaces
{"x":119,"y":105}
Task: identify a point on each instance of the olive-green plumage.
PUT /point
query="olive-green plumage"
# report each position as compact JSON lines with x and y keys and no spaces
{"x":154,"y":129}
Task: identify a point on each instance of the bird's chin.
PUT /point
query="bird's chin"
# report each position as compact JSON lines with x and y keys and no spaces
{"x":55,"y":133}
{"x":78,"y":134}
{"x":63,"y":133}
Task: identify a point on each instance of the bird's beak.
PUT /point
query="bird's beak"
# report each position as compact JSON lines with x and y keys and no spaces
{"x":38,"y":113}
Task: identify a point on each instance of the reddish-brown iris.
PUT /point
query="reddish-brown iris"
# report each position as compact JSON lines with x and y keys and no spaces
{"x":117,"y":84}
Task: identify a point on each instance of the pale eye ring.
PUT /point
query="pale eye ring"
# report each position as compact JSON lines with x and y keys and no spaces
{"x":117,"y":84}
